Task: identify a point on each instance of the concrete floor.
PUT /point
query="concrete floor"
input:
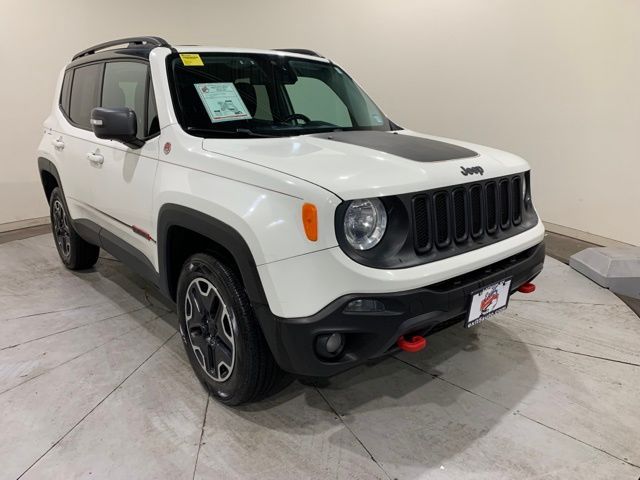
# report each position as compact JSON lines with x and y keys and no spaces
{"x":94,"y":384}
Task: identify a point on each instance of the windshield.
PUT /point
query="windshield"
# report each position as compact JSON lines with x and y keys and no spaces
{"x":228,"y":94}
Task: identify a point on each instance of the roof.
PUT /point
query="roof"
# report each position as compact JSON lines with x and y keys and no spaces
{"x":141,"y":47}
{"x":291,"y":52}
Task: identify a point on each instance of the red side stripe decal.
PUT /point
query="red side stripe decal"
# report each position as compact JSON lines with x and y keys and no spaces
{"x":141,"y":232}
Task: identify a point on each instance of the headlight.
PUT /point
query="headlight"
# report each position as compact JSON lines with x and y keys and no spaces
{"x":364,"y":223}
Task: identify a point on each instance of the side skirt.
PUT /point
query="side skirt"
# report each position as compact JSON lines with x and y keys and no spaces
{"x":130,"y":256}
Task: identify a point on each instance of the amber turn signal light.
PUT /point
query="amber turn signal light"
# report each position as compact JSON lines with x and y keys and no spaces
{"x":310,"y":221}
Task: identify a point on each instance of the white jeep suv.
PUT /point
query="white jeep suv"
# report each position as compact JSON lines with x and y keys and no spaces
{"x":296,"y":227}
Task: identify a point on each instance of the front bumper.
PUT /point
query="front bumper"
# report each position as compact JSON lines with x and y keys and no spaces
{"x":370,"y":335}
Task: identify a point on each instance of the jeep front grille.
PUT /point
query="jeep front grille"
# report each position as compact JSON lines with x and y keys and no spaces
{"x":428,"y":226}
{"x":479,"y":212}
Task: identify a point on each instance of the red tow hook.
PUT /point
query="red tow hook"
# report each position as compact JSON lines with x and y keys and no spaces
{"x":527,"y":288}
{"x":415,"y":344}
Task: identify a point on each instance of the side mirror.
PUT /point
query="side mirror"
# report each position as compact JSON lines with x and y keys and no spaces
{"x":116,"y":123}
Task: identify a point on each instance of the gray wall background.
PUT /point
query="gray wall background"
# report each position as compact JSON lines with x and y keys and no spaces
{"x":556,"y":82}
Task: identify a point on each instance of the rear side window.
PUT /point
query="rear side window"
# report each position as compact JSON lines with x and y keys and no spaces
{"x":85,"y":89}
{"x":66,"y":90}
{"x":125,"y":85}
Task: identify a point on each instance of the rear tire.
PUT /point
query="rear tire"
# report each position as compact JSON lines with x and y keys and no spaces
{"x":222,"y":338}
{"x":74,"y":251}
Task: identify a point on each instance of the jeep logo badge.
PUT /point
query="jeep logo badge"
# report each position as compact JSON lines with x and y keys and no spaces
{"x":471,"y":171}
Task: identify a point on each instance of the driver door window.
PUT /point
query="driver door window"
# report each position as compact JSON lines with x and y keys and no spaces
{"x":125,"y":85}
{"x":316,"y":100}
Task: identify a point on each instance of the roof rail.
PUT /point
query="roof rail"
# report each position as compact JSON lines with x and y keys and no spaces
{"x":302,"y":51}
{"x":132,"y":41}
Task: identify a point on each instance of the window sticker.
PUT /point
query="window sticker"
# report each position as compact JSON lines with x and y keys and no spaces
{"x":191,"y":60}
{"x":222,"y":102}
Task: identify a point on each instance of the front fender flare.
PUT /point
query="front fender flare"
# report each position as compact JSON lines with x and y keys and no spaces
{"x":172,"y":215}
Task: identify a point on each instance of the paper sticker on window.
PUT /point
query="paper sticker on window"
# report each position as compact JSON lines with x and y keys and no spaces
{"x":191,"y":60}
{"x":222,"y":102}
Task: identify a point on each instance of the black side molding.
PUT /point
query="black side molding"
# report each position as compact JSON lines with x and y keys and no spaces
{"x":123,"y":251}
{"x":88,"y":230}
{"x":130,"y":256}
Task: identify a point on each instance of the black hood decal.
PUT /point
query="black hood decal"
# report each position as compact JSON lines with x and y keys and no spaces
{"x":405,"y":146}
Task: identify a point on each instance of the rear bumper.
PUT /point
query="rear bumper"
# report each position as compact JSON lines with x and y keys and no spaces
{"x":370,"y":335}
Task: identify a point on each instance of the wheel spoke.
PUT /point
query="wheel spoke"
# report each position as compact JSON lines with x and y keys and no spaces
{"x":65,"y":225}
{"x":212,"y":304}
{"x":197,"y":309}
{"x":65,"y":244}
{"x":207,"y":296}
{"x":223,"y":357}
{"x":209,"y":359}
{"x":223,"y":328}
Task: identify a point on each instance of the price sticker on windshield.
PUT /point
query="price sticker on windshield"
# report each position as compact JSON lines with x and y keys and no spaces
{"x":222,"y":102}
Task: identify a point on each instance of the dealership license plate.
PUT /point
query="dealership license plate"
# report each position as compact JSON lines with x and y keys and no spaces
{"x":488,"y":301}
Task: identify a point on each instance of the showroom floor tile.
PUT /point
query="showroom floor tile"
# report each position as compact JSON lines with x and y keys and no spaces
{"x":94,"y":383}
{"x":144,"y":429}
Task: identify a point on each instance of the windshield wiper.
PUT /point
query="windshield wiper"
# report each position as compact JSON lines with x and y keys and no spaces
{"x":243,"y":131}
{"x":251,"y":133}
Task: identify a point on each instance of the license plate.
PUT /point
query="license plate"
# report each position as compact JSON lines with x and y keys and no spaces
{"x":488,"y":301}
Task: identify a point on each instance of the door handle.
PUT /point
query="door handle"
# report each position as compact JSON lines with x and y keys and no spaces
{"x":58,"y":144}
{"x":95,"y":158}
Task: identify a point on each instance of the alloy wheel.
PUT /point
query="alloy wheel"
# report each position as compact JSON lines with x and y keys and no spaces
{"x":209,"y":329}
{"x":61,"y":229}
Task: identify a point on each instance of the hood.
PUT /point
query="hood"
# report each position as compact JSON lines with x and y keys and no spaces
{"x":371,"y":163}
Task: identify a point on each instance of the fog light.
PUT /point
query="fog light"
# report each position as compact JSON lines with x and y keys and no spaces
{"x":330,"y":345}
{"x":364,"y":305}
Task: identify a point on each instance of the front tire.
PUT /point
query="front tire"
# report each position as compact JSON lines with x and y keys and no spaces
{"x":220,"y":333}
{"x":74,"y":251}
